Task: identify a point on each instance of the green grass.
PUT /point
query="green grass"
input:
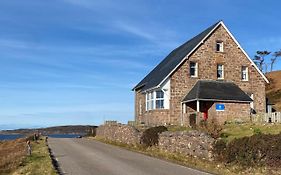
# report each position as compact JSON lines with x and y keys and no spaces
{"x":232,"y":131}
{"x":38,"y":163}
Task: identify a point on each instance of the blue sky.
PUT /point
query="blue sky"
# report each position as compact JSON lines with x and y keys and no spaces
{"x":75,"y":61}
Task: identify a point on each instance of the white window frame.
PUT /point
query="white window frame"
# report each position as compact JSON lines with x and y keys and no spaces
{"x":159,"y":99}
{"x":196,"y":69}
{"x":244,"y":71}
{"x":151,"y":100}
{"x":222,"y":70}
{"x":219,"y":46}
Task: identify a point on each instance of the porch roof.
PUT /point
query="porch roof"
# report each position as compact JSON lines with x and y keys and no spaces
{"x":210,"y":90}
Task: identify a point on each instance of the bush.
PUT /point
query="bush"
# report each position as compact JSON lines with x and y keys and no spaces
{"x":150,"y":136}
{"x":219,"y":149}
{"x":210,"y":127}
{"x":257,"y":131}
{"x":259,"y":149}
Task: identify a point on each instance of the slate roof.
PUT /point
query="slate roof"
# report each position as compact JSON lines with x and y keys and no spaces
{"x":211,"y":90}
{"x":163,"y":69}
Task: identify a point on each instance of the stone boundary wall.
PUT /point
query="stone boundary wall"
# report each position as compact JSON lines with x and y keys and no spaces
{"x":190,"y":143}
{"x":119,"y":132}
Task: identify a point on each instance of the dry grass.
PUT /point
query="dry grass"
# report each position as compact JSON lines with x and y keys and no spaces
{"x":12,"y":154}
{"x":39,"y":162}
{"x":273,"y":89}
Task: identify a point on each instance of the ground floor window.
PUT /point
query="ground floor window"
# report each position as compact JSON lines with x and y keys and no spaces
{"x":159,"y":99}
{"x":155,"y":100}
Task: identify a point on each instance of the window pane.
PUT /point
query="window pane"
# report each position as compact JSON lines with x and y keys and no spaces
{"x":220,"y":71}
{"x":244,"y":73}
{"x":159,"y":104}
{"x":193,"y":69}
{"x":219,"y":46}
{"x":159,"y":94}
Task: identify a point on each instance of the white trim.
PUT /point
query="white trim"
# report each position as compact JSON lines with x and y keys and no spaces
{"x":239,"y":46}
{"x":216,"y":100}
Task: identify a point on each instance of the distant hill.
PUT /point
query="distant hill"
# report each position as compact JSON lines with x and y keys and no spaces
{"x":273,"y":89}
{"x":71,"y":129}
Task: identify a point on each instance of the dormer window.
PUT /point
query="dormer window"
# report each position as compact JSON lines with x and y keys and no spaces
{"x":193,"y":69}
{"x":219,"y":46}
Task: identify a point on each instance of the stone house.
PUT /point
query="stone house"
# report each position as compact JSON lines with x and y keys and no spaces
{"x":209,"y":76}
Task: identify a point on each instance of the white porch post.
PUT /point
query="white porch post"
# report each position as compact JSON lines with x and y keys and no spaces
{"x":198,"y":106}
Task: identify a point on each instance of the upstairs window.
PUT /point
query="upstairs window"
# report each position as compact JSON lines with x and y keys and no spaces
{"x":193,"y":69}
{"x":159,"y":103}
{"x":220,"y":71}
{"x":219,"y":46}
{"x":244,"y":73}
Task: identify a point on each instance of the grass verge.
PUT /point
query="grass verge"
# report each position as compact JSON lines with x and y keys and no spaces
{"x":38,"y":163}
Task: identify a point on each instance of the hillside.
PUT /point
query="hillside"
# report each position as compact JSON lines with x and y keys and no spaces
{"x":71,"y":129}
{"x":273,"y":89}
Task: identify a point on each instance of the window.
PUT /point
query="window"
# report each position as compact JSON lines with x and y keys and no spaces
{"x":244,"y":73}
{"x":159,"y":99}
{"x":219,"y":46}
{"x":220,"y":71}
{"x":155,"y":100}
{"x":193,"y":69}
{"x":149,"y":101}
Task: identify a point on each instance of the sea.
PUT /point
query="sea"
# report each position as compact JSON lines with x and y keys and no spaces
{"x":16,"y":136}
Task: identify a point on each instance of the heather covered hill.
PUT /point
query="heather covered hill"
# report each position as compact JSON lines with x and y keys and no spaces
{"x":273,"y":89}
{"x":71,"y":129}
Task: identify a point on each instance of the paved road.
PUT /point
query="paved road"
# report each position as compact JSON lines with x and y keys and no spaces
{"x":89,"y":157}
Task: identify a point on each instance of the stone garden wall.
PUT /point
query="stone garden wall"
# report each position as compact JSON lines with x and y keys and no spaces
{"x":119,"y":132}
{"x":191,"y":143}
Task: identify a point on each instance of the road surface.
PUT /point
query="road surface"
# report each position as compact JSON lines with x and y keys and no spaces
{"x":88,"y":157}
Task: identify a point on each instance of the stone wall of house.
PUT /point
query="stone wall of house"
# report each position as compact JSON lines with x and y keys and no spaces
{"x":119,"y":133}
{"x":207,"y":58}
{"x":152,"y":117}
{"x":232,"y":112}
{"x":191,"y":143}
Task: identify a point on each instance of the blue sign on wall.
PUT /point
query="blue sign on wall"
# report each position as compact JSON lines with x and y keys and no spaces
{"x":219,"y":107}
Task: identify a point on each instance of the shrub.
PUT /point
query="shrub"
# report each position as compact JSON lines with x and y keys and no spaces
{"x":259,"y":149}
{"x":219,"y":149}
{"x":211,"y":127}
{"x":257,"y":131}
{"x":150,"y":136}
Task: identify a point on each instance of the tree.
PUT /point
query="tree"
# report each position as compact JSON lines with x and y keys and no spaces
{"x":273,"y":59}
{"x":260,"y":59}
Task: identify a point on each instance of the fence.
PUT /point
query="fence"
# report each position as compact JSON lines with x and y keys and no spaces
{"x":274,"y":117}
